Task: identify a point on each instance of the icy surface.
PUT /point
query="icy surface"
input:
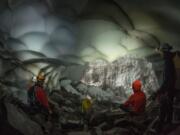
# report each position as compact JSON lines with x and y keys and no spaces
{"x":95,"y":92}
{"x":119,"y":75}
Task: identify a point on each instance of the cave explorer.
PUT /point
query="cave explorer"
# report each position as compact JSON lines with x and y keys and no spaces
{"x":137,"y":101}
{"x":37,"y":97}
{"x":166,"y":92}
{"x":86,"y":110}
{"x":39,"y":105}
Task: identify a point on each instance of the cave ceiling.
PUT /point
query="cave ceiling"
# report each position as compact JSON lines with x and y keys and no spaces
{"x":82,"y":30}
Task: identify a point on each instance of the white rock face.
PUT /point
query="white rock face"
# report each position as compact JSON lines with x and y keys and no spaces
{"x":100,"y":94}
{"x":119,"y":75}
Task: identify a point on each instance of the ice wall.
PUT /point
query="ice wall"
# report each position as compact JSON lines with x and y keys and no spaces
{"x":120,"y":74}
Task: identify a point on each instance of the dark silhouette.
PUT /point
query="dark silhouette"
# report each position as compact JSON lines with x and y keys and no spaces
{"x":166,"y":92}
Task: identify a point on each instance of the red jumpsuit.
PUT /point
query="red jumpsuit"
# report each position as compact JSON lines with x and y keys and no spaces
{"x":41,"y":97}
{"x":137,"y":101}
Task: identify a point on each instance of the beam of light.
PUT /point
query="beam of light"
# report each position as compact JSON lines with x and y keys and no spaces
{"x":109,"y":44}
{"x":131,"y":43}
{"x":104,"y":36}
{"x":112,"y":50}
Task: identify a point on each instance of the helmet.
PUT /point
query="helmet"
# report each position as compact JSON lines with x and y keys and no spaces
{"x":88,"y":97}
{"x":166,"y":47}
{"x":40,"y":77}
{"x":137,"y":85}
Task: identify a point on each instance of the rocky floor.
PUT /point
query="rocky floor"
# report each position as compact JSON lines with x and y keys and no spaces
{"x":106,"y":118}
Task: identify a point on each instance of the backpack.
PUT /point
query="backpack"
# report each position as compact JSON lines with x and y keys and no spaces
{"x":35,"y":105}
{"x":32,"y":96}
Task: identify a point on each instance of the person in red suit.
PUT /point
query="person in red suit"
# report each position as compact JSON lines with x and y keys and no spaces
{"x":37,"y":97}
{"x":39,"y":104}
{"x":136,"y":103}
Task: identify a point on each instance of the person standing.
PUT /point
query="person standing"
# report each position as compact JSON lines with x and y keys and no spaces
{"x":37,"y":97}
{"x":86,"y":110}
{"x":166,"y":92}
{"x":39,"y":104}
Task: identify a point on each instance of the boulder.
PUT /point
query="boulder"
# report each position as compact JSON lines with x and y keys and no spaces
{"x":20,"y":121}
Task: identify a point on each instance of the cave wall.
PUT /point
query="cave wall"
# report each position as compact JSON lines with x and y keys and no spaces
{"x":62,"y":34}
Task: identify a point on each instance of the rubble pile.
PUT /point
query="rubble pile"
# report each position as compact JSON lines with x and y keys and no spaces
{"x":106,"y":118}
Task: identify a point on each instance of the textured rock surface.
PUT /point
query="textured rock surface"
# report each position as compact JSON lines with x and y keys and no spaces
{"x":119,"y":75}
{"x":19,"y":120}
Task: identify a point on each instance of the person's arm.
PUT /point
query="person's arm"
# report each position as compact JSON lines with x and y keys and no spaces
{"x":127,"y":105}
{"x":129,"y":101}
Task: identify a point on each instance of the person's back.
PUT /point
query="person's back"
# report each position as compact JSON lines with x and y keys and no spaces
{"x":137,"y":101}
